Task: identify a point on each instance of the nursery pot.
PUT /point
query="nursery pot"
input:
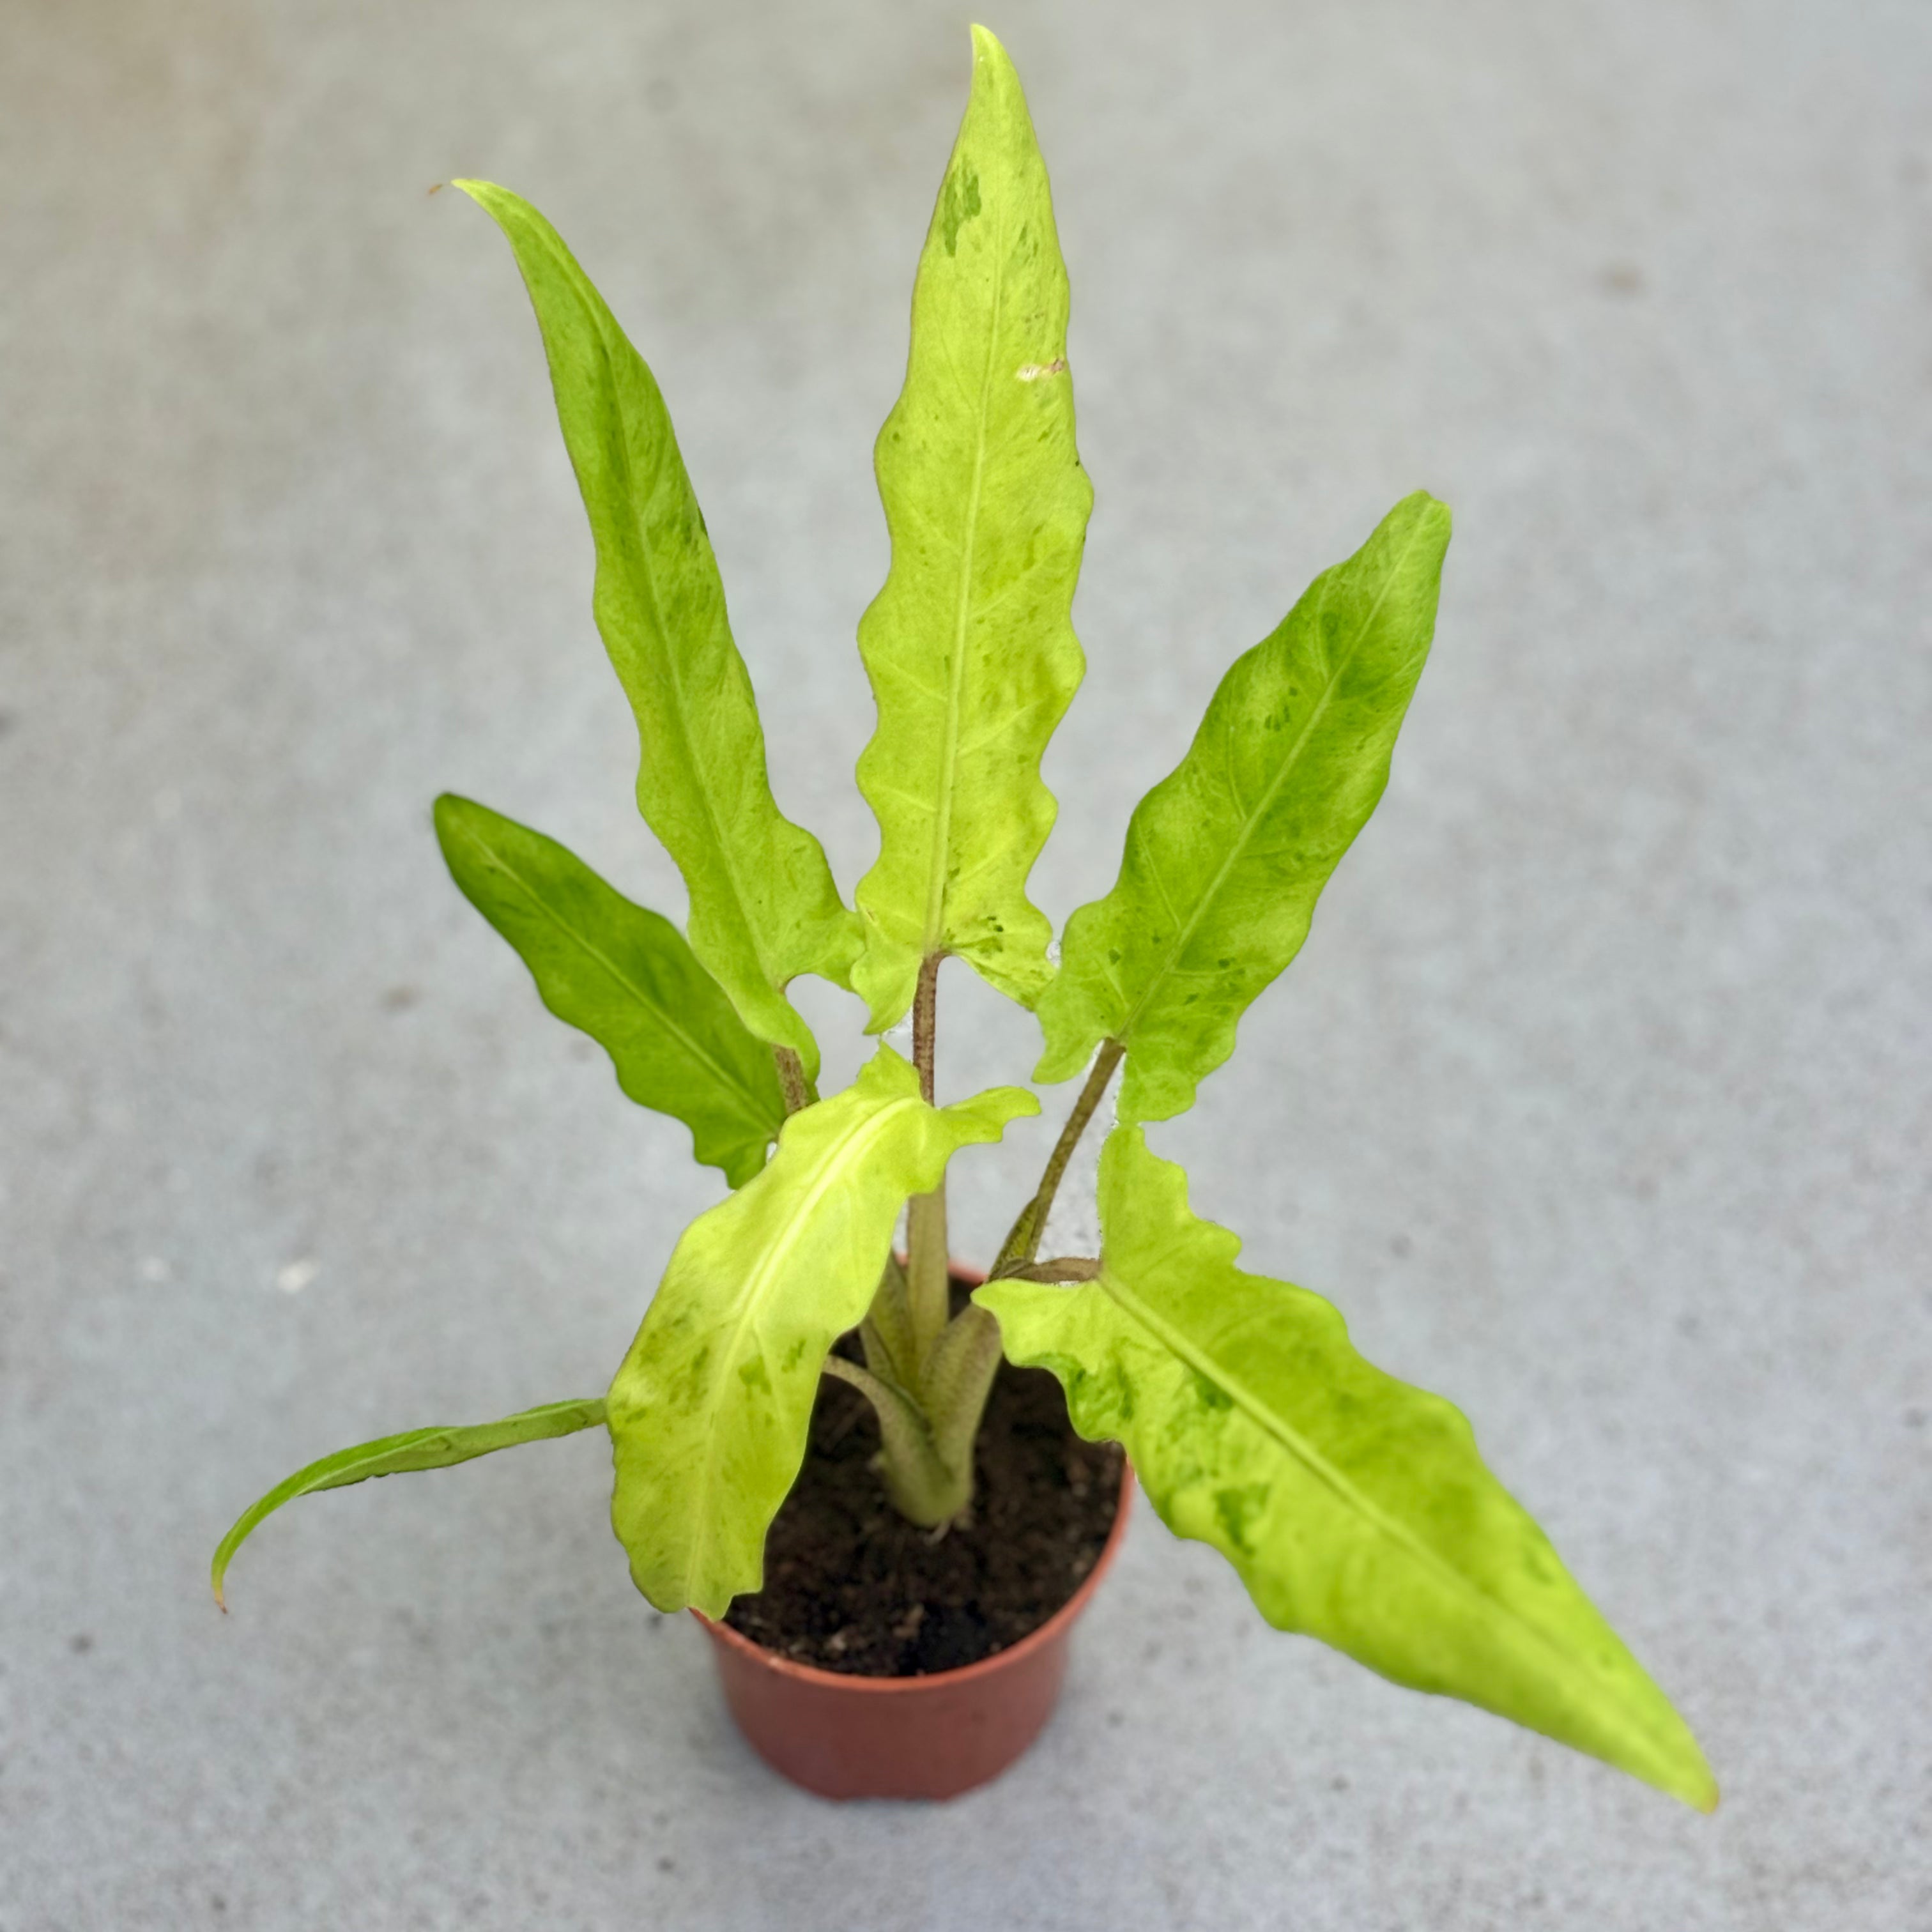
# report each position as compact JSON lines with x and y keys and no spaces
{"x":933,"y":1736}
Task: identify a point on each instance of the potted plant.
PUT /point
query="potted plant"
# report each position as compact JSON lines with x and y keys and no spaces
{"x":1355,"y":1508}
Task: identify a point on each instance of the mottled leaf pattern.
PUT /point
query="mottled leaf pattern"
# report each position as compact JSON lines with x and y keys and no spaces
{"x":709,"y":1411}
{"x":625,"y":977}
{"x":763,"y":908}
{"x":1226,"y":856}
{"x":969,"y":646}
{"x":1355,"y":1507}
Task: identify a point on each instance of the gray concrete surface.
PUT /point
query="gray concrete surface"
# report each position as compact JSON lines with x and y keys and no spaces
{"x":1598,"y":1099}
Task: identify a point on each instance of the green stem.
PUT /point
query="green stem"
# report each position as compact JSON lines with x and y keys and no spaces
{"x":927,"y":1375}
{"x":1022,"y":1244}
{"x":887,"y":1334}
{"x":959,"y":1378}
{"x":929,"y":1278}
{"x":923,"y":1487}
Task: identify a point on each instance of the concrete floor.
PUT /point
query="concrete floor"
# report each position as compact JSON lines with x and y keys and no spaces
{"x":1598,"y":1099}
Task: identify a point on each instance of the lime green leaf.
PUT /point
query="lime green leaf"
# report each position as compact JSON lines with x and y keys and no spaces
{"x":396,"y":1455}
{"x":624,"y":976}
{"x":969,"y":646}
{"x":1226,"y":856}
{"x":709,"y":1411}
{"x":763,"y":908}
{"x":1355,"y":1507}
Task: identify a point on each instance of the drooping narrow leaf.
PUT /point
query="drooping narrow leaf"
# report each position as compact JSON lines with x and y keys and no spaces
{"x":625,"y":977}
{"x":1355,"y":1507}
{"x":969,"y":646}
{"x":709,"y":1411}
{"x":1226,"y":856}
{"x":763,"y":908}
{"x":397,"y":1455}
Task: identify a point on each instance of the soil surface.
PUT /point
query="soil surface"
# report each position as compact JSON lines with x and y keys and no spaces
{"x":850,"y":1585}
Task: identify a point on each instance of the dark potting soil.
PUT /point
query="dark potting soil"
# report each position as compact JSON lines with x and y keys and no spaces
{"x":851,"y":1585}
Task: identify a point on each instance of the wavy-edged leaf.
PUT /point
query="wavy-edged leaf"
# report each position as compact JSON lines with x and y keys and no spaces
{"x":1226,"y":856}
{"x":969,"y":646}
{"x":625,"y":976}
{"x":1355,"y":1507}
{"x":763,"y":908}
{"x":708,"y":1412}
{"x":398,"y":1455}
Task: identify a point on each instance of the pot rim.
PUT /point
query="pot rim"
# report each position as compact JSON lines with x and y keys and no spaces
{"x":1037,"y":1638}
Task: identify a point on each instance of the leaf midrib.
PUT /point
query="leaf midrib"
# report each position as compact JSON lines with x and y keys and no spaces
{"x":942,"y":832}
{"x":1254,"y":818}
{"x":592,"y":305}
{"x":1301,"y":1451}
{"x":855,"y":1143}
{"x":728,"y":1075}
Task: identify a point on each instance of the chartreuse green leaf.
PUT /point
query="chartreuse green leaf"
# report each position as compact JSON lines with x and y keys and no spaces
{"x":969,"y":646}
{"x":625,"y":977}
{"x":709,"y":1411}
{"x":396,"y":1455}
{"x":1355,"y":1507}
{"x":1226,"y":856}
{"x":763,"y":908}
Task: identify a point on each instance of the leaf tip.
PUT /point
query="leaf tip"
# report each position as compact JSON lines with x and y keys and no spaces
{"x":986,"y":44}
{"x":1430,"y":511}
{"x":995,"y":79}
{"x":1698,"y":1789}
{"x":483,"y":192}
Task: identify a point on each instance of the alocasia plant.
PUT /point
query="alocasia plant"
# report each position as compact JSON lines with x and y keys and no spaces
{"x":1354,"y":1507}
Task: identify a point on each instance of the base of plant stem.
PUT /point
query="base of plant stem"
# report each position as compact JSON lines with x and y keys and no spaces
{"x":930,"y":1358}
{"x":936,"y":1505}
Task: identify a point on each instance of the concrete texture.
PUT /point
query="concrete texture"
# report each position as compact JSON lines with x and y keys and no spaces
{"x":1598,"y":1099}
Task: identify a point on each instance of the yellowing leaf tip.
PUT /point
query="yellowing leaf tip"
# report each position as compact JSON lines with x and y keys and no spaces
{"x":992,"y":63}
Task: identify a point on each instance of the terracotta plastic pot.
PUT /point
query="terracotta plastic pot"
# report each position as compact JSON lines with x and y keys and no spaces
{"x":904,"y":1737}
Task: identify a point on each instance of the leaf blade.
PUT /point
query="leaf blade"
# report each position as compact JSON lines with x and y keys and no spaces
{"x":764,"y":906}
{"x":970,"y":646}
{"x":1355,"y":1508}
{"x":1225,"y":857}
{"x":413,"y":1450}
{"x":709,"y":1410}
{"x":625,"y":976}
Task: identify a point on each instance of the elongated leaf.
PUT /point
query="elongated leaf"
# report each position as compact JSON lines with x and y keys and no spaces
{"x":397,"y":1455}
{"x":763,"y":908}
{"x":1355,"y":1507}
{"x":709,"y":1411}
{"x":1226,"y":856}
{"x":969,"y":646}
{"x":624,"y":976}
